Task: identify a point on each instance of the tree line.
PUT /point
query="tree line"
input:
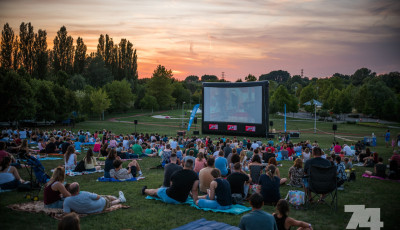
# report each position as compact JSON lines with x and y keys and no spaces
{"x":65,"y":81}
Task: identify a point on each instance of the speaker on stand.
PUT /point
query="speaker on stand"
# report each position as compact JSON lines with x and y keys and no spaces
{"x":135,"y":122}
{"x":334,"y":128}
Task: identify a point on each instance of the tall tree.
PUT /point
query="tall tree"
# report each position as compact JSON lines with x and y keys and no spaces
{"x":160,"y":87}
{"x":80,"y":56}
{"x":308,"y":93}
{"x":63,"y":51}
{"x":41,"y":56}
{"x":281,"y":97}
{"x":16,"y":54}
{"x":26,"y":41}
{"x":358,"y":77}
{"x":46,"y":101}
{"x":100,"y":47}
{"x":192,"y":78}
{"x":97,"y":74}
{"x":7,"y":43}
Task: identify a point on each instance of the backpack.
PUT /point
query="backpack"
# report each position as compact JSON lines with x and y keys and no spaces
{"x":80,"y":167}
{"x":352,"y":176}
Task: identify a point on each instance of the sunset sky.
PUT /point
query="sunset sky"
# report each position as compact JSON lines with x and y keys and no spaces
{"x":195,"y":37}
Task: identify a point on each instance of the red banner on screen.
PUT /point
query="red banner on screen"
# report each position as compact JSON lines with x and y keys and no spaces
{"x":232,"y":127}
{"x":250,"y":128}
{"x":213,"y":126}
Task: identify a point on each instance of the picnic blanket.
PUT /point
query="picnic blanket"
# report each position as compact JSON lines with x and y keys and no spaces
{"x":377,"y":177}
{"x":235,"y":209}
{"x":38,"y":207}
{"x":49,"y":158}
{"x":6,"y":190}
{"x":203,"y":224}
{"x":72,"y":173}
{"x":103,"y":179}
{"x":279,"y":157}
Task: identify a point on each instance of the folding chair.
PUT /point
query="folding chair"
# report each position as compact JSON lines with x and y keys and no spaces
{"x":322,"y":180}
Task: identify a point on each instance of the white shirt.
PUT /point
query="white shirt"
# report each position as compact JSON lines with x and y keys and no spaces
{"x":254,"y":145}
{"x":347,"y":151}
{"x":173,"y":144}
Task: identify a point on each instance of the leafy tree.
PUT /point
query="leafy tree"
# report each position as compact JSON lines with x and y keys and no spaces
{"x":344,"y":102}
{"x":281,"y":97}
{"x":180,"y":93}
{"x":308,"y":93}
{"x":16,"y":56}
{"x":209,"y":78}
{"x":76,"y":82}
{"x":392,"y":80}
{"x":149,"y":102}
{"x":41,"y":55}
{"x":101,"y":47}
{"x":62,"y":78}
{"x":97,"y":74}
{"x":63,"y":51}
{"x":280,"y":76}
{"x":100,"y":101}
{"x":17,"y":97}
{"x":46,"y":102}
{"x":239,"y":80}
{"x":26,"y":41}
{"x":197,"y":97}
{"x":80,"y":56}
{"x":7,"y":42}
{"x":120,"y":94}
{"x":192,"y":78}
{"x":371,"y":99}
{"x":250,"y":77}
{"x":360,"y":75}
{"x":160,"y":87}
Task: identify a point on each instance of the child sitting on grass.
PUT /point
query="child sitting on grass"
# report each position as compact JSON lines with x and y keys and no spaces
{"x":120,"y":173}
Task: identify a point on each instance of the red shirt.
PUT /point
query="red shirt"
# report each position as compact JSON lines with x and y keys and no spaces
{"x":2,"y":155}
{"x":396,"y":157}
{"x":337,"y":148}
{"x":272,"y":149}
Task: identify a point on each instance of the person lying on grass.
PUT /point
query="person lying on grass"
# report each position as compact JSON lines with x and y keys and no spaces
{"x":120,"y":173}
{"x":283,"y":221}
{"x":182,"y":183}
{"x":219,"y":194}
{"x":86,"y":202}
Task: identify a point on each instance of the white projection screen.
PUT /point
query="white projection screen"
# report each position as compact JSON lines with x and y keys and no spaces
{"x":236,"y":105}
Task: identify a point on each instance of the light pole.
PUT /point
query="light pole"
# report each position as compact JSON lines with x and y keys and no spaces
{"x":315,"y":114}
{"x":183,"y":104}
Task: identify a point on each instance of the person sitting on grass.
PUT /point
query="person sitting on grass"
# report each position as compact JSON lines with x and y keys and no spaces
{"x":347,"y":163}
{"x":182,"y":183}
{"x":70,"y":158}
{"x":104,"y":150}
{"x":284,"y":222}
{"x":170,"y":169}
{"x":379,"y":169}
{"x":269,"y":186}
{"x":341,"y":174}
{"x":221,"y":163}
{"x":257,"y":218}
{"x":191,"y":157}
{"x":97,"y":146}
{"x":255,"y":168}
{"x":54,"y":190}
{"x":69,"y":222}
{"x":86,"y":202}
{"x":239,"y":182}
{"x":120,"y":173}
{"x":108,"y":165}
{"x":296,"y":173}
{"x":205,"y":176}
{"x":200,"y":162}
{"x":90,"y":161}
{"x":272,"y":161}
{"x":149,"y":152}
{"x":219,"y":195}
{"x":9,"y":176}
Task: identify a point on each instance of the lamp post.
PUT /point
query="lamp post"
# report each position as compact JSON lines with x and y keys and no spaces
{"x":183,"y":104}
{"x":315,"y":114}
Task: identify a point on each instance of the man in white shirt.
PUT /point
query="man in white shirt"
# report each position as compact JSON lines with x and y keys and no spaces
{"x":174,"y":143}
{"x":254,"y":145}
{"x":347,"y":150}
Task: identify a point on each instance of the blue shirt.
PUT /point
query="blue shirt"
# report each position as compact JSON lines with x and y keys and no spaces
{"x":387,"y":136}
{"x":84,"y":202}
{"x":221,"y":163}
{"x":258,"y":220}
{"x":78,"y":145}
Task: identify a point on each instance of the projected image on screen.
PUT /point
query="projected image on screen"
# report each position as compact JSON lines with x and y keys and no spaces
{"x":242,"y":105}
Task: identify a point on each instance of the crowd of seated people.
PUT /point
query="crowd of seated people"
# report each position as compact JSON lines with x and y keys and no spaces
{"x":222,"y":170}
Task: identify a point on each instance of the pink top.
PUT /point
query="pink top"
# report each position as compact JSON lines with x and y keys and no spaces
{"x":113,"y":144}
{"x":96,"y":147}
{"x":199,"y":165}
{"x":337,"y":148}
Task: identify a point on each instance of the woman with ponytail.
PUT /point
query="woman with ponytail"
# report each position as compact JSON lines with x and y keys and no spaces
{"x":269,"y":186}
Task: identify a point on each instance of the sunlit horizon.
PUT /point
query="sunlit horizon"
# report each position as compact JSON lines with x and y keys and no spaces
{"x":234,"y":37}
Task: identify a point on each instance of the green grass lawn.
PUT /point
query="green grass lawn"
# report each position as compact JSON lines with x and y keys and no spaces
{"x":149,"y":214}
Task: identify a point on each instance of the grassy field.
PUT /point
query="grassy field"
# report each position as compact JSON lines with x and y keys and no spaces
{"x":145,"y":214}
